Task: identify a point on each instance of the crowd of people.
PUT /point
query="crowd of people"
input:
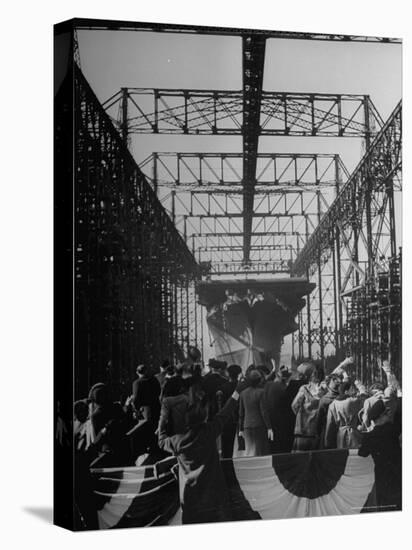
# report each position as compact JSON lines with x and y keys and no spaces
{"x":203,"y":417}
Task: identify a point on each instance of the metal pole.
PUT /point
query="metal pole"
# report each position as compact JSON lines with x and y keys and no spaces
{"x":319,"y":263}
{"x":124,"y":123}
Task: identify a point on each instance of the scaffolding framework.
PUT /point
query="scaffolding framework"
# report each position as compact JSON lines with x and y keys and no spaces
{"x":135,"y":276}
{"x":356,"y":242}
{"x":99,"y":25}
{"x":250,"y":213}
{"x":222,"y":112}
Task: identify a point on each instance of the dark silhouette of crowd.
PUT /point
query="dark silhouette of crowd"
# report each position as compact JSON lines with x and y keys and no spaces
{"x":203,"y":417}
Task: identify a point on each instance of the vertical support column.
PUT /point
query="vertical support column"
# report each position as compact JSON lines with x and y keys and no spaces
{"x":308,"y":299}
{"x":124,"y":125}
{"x":319,"y":266}
{"x":155,"y":182}
{"x":300,"y":335}
{"x":356,"y":322}
{"x":173,"y":206}
{"x":366,"y":338}
{"x":335,"y":303}
{"x":309,"y":321}
{"x":337,"y":269}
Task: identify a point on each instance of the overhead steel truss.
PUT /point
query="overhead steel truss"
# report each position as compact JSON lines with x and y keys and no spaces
{"x":250,"y":113}
{"x":94,"y":24}
{"x":374,"y":180}
{"x":281,"y":219}
{"x":217,"y":112}
{"x":223,"y":172}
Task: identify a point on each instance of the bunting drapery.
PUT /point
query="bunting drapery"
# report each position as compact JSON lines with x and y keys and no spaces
{"x":310,"y":484}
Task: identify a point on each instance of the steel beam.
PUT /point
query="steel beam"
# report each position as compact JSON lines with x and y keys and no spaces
{"x":253,"y":58}
{"x":216,"y":172}
{"x":102,"y":24}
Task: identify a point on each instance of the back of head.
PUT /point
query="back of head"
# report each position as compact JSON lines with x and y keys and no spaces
{"x":234,"y":371}
{"x":263,"y":369}
{"x":333,"y":381}
{"x":179,"y":369}
{"x":165,"y":364}
{"x":99,"y":394}
{"x":142,"y":370}
{"x":170,"y":370}
{"x":196,"y":413}
{"x":317,"y":374}
{"x":254,"y":378}
{"x":81,"y":410}
{"x":194,"y":354}
{"x":347,"y":389}
{"x":285,"y":373}
{"x":305,"y":369}
{"x":217,"y":366}
{"x":249,"y":370}
{"x":376,"y":387}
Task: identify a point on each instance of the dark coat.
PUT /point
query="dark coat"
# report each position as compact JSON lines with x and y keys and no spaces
{"x":211,"y":384}
{"x":146,"y":393}
{"x":252,"y":411}
{"x":173,"y":414}
{"x":383,"y":444}
{"x":274,"y":396}
{"x":203,"y":492}
{"x":278,"y":401}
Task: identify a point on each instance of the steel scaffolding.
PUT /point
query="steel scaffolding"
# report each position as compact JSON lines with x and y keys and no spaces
{"x":252,"y":213}
{"x":357,"y":243}
{"x":135,"y":276}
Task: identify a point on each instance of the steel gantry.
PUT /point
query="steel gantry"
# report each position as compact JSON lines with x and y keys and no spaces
{"x":252,"y":213}
{"x":203,"y":195}
{"x":357,"y":241}
{"x":135,"y":276}
{"x":221,"y":112}
{"x":100,"y":24}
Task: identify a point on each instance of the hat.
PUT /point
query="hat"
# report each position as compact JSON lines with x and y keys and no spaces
{"x":215,"y":364}
{"x":306,"y":368}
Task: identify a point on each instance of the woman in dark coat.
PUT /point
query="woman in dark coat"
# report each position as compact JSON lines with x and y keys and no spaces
{"x":254,"y":420}
{"x":203,"y":492}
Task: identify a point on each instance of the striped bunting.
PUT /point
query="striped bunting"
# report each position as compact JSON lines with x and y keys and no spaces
{"x":311,"y":484}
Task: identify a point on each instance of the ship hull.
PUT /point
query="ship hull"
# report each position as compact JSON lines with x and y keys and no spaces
{"x":248,"y":321}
